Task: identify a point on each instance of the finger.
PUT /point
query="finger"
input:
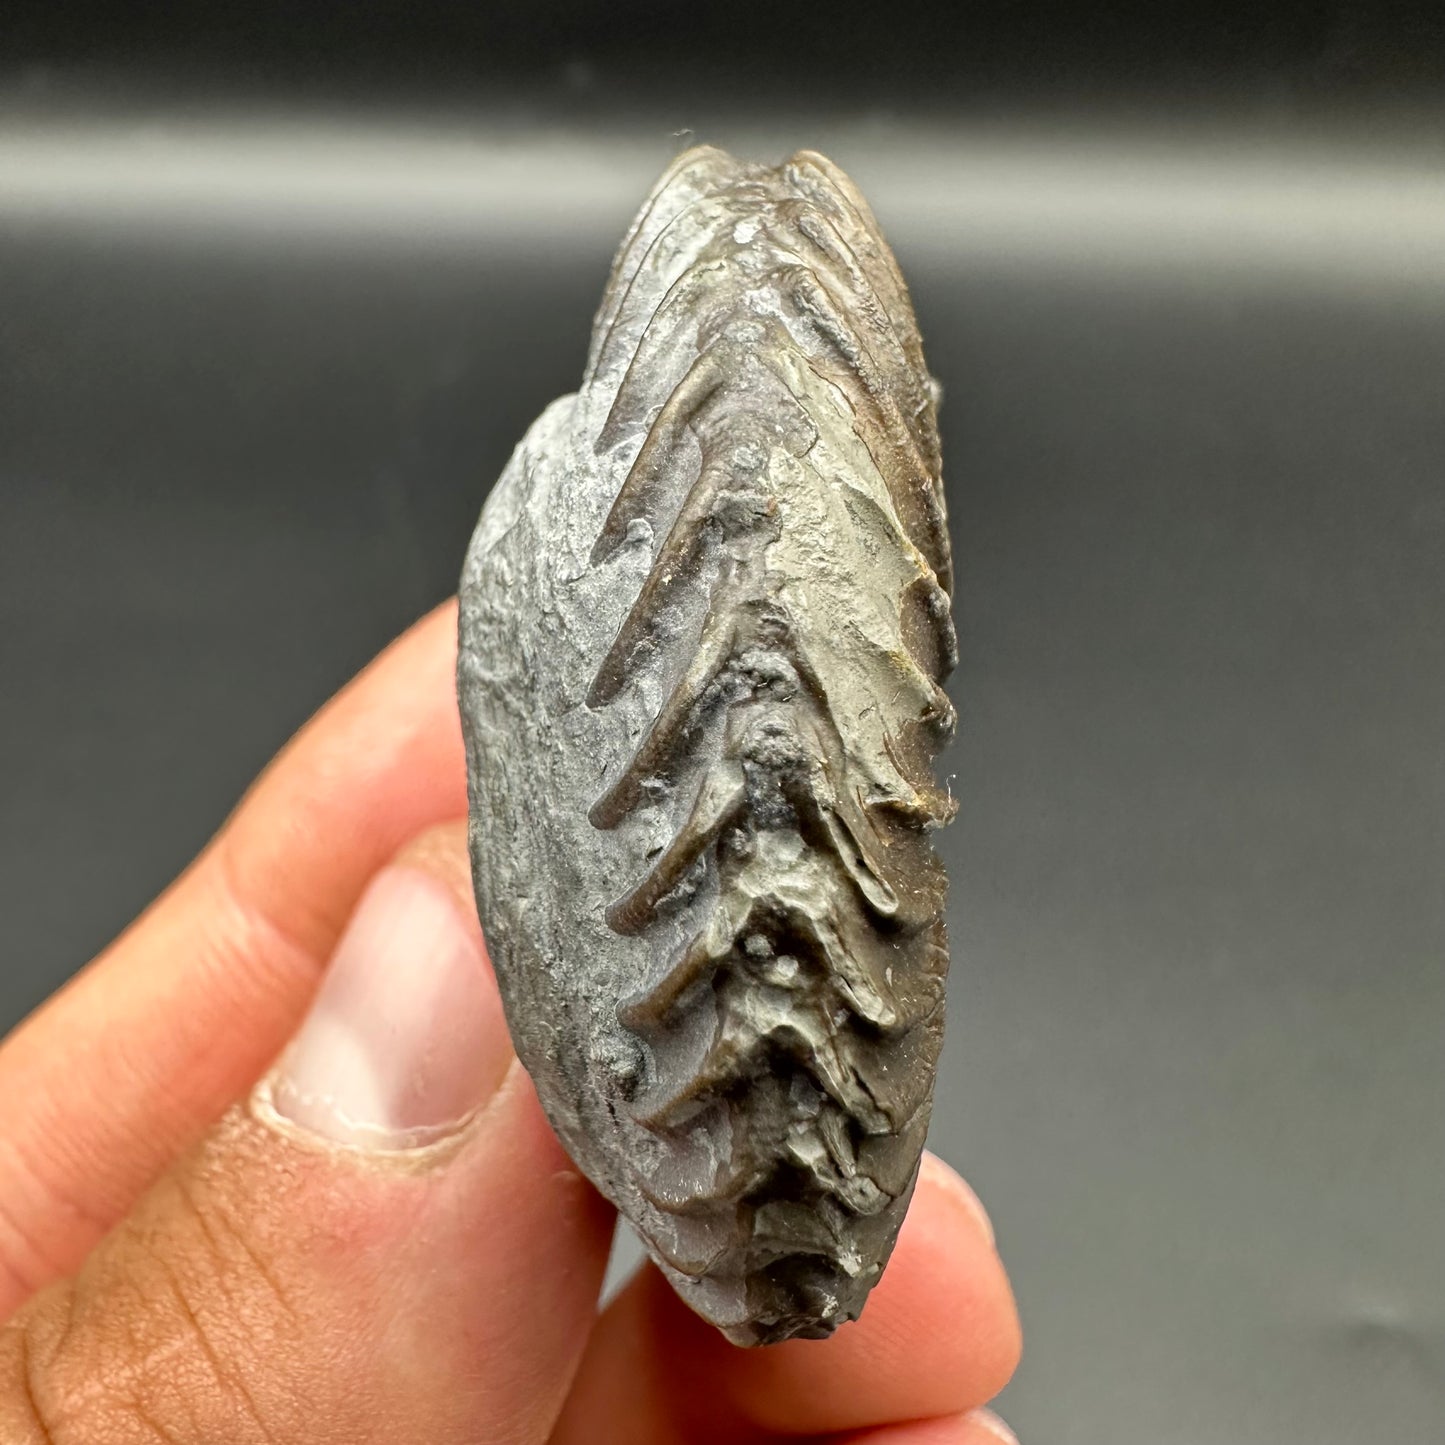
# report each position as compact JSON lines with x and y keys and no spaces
{"x":385,"y":1244}
{"x":977,"y":1427}
{"x":939,"y":1336}
{"x":110,"y":1081}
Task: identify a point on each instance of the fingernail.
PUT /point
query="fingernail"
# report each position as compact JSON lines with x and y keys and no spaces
{"x":405,"y":1039}
{"x":987,"y":1420}
{"x":955,"y":1184}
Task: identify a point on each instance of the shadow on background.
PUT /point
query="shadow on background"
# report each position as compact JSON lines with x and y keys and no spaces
{"x":280,"y":293}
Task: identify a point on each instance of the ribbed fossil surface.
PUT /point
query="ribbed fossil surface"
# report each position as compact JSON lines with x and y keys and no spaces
{"x":704,"y":621}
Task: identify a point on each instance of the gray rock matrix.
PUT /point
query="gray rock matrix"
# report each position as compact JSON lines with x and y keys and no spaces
{"x":704,"y":619}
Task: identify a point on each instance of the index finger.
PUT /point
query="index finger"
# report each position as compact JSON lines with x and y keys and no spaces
{"x":123,"y":1069}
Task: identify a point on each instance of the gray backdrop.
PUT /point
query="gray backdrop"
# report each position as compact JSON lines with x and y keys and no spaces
{"x":258,"y":370}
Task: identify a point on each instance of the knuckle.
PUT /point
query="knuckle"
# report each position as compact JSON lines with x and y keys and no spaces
{"x":175,"y":1330}
{"x":218,"y":1310}
{"x":28,"y":1415}
{"x":224,"y":1262}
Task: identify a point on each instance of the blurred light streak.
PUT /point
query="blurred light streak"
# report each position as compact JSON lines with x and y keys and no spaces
{"x":1322,"y":210}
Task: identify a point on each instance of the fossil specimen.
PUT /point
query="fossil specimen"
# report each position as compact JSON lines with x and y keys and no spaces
{"x":704,"y":620}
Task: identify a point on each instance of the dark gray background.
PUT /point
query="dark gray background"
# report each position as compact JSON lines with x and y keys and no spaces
{"x":278,"y":295}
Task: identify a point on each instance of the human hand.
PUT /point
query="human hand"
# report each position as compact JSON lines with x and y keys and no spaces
{"x":382,"y":1241}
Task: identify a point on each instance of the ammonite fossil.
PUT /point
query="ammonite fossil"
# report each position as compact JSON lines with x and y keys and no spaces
{"x":704,"y":621}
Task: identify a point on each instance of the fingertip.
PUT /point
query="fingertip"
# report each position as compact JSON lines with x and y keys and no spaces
{"x":976,"y":1427}
{"x":378,"y":763}
{"x":946,"y":1289}
{"x":939,"y":1335}
{"x":986,"y":1423}
{"x":936,"y":1173}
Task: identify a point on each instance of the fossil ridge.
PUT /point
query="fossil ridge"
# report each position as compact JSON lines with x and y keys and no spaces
{"x":705,"y":617}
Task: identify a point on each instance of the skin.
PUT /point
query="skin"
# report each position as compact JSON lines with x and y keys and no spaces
{"x":175,"y":1267}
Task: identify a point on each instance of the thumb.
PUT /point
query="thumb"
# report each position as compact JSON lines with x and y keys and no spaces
{"x":385,"y":1243}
